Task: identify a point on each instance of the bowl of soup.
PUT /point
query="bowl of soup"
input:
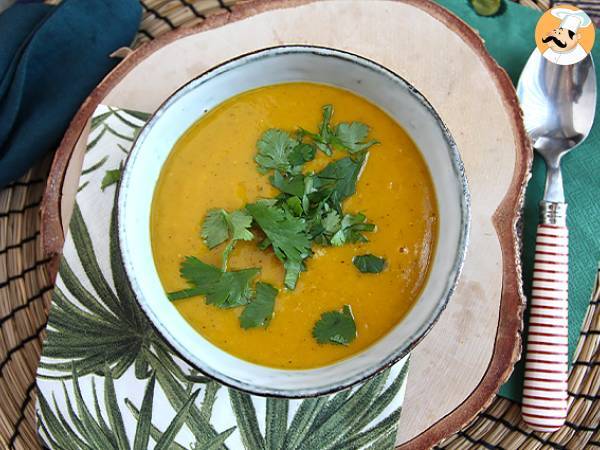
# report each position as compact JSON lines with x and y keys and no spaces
{"x":294,"y":220}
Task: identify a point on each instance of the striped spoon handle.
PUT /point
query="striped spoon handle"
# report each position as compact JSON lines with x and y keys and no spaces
{"x":546,"y":365}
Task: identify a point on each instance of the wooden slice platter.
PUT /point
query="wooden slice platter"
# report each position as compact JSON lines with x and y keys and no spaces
{"x":456,"y":370}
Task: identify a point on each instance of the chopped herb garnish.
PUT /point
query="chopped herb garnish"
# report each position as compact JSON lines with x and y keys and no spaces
{"x":301,"y":154}
{"x":317,"y":198}
{"x":222,"y":289}
{"x":286,"y":232}
{"x":335,"y":327}
{"x":293,"y":185}
{"x":277,"y":150}
{"x":294,"y":206}
{"x":351,"y":137}
{"x":340,"y":177}
{"x":219,"y":226}
{"x":308,"y":211}
{"x":351,"y":229}
{"x":331,"y":222}
{"x":292,"y":272}
{"x":259,"y":311}
{"x":369,"y":263}
{"x":215,"y":229}
{"x":239,"y":226}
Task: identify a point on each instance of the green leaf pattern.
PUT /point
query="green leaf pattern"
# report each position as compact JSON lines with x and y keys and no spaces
{"x":108,"y":381}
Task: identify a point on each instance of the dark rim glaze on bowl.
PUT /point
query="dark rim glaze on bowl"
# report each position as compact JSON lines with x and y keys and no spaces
{"x":414,"y":339}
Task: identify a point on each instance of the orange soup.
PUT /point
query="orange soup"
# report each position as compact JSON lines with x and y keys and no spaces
{"x":212,"y":166}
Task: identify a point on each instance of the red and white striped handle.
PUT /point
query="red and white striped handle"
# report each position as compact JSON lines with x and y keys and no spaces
{"x":546,"y":367}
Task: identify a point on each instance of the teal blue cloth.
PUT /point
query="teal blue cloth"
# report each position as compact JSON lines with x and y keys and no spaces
{"x":51,"y":57}
{"x":509,"y":37}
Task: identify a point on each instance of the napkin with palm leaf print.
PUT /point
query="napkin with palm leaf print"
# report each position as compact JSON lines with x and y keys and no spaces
{"x":107,"y":380}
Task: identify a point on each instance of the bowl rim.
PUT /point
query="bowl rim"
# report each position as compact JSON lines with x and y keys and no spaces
{"x":402,"y":350}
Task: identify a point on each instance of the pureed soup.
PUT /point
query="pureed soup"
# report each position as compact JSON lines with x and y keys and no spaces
{"x":294,"y":225}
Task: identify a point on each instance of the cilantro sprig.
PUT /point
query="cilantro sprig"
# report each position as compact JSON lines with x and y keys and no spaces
{"x":351,"y":136}
{"x":219,"y":226}
{"x":335,"y":327}
{"x":277,"y":150}
{"x":308,"y":211}
{"x":287,"y":235}
{"x":222,"y":289}
{"x":351,"y":230}
{"x":259,"y":312}
{"x":369,"y":263}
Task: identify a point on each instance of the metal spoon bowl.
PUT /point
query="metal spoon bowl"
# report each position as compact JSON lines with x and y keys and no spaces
{"x":558,"y":103}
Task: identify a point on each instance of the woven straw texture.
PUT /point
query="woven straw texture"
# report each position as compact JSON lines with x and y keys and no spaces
{"x":25,"y":291}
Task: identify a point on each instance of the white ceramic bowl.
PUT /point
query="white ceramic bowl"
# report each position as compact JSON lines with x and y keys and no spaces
{"x":266,"y":67}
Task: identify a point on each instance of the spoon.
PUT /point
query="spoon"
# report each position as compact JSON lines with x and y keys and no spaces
{"x":558,"y":104}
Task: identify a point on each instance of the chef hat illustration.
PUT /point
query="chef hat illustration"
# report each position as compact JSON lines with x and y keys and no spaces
{"x":571,"y":20}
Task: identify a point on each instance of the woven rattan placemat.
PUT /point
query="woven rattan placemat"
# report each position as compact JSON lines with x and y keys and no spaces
{"x":25,"y":297}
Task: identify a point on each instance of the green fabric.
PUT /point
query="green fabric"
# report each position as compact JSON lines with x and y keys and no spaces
{"x":509,"y":37}
{"x":51,"y":57}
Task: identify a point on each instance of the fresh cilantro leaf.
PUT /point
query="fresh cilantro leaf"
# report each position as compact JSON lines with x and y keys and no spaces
{"x":331,"y":222}
{"x":352,"y":137}
{"x":287,"y":233}
{"x":340,"y":176}
{"x":335,"y":327}
{"x":239,"y":225}
{"x":259,"y":311}
{"x":292,"y":272}
{"x":214,"y":228}
{"x":233,"y":289}
{"x":322,"y":203}
{"x":222,"y":289}
{"x":351,"y":230}
{"x":278,"y":151}
{"x":219,"y":225}
{"x":369,"y":263}
{"x":293,"y":185}
{"x":324,"y":224}
{"x":325,"y":127}
{"x":294,"y":205}
{"x":323,"y":138}
{"x":199,"y":274}
{"x":309,"y":188}
{"x":274,"y":149}
{"x":322,"y":200}
{"x":347,"y":136}
{"x":301,"y":154}
{"x":110,"y":177}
